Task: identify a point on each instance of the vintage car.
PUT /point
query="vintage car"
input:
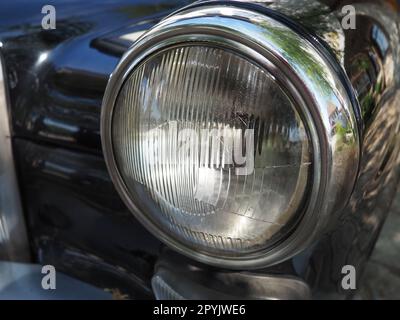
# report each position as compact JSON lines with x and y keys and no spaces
{"x":174,"y":149}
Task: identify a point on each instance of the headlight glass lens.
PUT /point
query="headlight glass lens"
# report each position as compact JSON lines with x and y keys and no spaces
{"x":212,"y":150}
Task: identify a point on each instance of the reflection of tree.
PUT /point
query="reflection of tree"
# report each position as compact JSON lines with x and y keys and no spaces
{"x":316,"y":17}
{"x":298,"y":53}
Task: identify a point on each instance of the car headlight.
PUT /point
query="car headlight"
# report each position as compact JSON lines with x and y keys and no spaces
{"x":221,"y":129}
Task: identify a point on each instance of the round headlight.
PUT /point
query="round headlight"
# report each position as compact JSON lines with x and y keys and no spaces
{"x":222,"y":129}
{"x":212,"y":148}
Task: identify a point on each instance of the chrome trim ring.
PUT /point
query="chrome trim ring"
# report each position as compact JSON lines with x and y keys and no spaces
{"x":308,"y":77}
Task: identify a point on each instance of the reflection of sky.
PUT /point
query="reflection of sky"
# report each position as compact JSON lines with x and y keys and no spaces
{"x":380,"y":39}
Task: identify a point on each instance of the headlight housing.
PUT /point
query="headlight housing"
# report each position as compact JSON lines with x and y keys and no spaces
{"x":223,"y":130}
{"x":212,"y":148}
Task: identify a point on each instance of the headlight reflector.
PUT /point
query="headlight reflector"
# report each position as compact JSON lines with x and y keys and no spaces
{"x":215,"y":146}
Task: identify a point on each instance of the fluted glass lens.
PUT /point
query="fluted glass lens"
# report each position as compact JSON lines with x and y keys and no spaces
{"x":212,"y":150}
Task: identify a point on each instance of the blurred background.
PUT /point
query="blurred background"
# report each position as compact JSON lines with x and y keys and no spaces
{"x":381,"y":279}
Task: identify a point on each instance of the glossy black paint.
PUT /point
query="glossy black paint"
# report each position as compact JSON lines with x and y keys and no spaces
{"x":56,"y":80}
{"x":76,"y":220}
{"x":57,"y":77}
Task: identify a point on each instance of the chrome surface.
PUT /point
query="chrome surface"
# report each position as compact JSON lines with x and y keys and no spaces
{"x":164,"y":291}
{"x":174,"y":280}
{"x":167,"y":285}
{"x":370,"y":56}
{"x":307,"y":76}
{"x":13,"y":239}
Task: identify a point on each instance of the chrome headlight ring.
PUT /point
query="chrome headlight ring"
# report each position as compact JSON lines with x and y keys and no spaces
{"x":307,"y":77}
